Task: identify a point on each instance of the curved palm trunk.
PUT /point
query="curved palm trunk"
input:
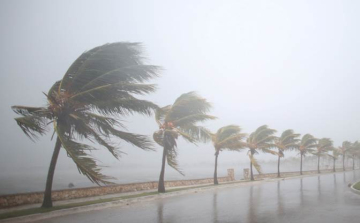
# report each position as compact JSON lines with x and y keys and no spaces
{"x":47,"y":202}
{"x":301,"y":158}
{"x":318,"y":163}
{"x":215,"y":171}
{"x":161,"y":184}
{"x":278,"y":175}
{"x":334,"y":169}
{"x":251,"y":169}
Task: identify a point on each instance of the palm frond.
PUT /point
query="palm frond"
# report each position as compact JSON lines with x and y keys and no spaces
{"x":90,"y":68}
{"x":255,"y":163}
{"x":199,"y":133}
{"x":192,"y":119}
{"x":85,"y":164}
{"x":187,"y":104}
{"x":32,"y":126}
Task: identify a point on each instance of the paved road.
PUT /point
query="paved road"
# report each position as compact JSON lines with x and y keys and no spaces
{"x":316,"y":199}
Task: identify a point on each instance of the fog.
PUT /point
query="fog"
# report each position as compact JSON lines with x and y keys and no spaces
{"x":286,"y":64}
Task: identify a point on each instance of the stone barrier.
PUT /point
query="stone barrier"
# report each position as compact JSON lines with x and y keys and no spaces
{"x":286,"y":174}
{"x":13,"y":200}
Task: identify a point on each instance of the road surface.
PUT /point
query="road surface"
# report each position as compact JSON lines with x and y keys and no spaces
{"x":326,"y":198}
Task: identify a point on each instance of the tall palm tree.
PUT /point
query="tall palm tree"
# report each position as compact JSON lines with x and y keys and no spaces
{"x":307,"y":143}
{"x":180,"y":119}
{"x":344,"y":148}
{"x":288,"y":140}
{"x":323,"y":146}
{"x":335,"y":155}
{"x":260,"y":140}
{"x":227,"y":138}
{"x":355,"y":152}
{"x":97,"y":88}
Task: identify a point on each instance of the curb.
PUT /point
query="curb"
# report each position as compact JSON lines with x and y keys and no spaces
{"x":355,"y":190}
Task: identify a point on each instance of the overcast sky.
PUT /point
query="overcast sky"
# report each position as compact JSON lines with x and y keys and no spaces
{"x":287,"y":64}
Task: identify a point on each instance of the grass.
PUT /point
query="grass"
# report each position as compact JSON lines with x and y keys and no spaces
{"x":357,"y":186}
{"x":31,"y":211}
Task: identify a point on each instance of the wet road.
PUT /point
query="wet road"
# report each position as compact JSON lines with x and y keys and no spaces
{"x":325,"y":198}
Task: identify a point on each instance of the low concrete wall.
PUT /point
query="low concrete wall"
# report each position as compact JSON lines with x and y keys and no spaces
{"x":287,"y":174}
{"x":13,"y":200}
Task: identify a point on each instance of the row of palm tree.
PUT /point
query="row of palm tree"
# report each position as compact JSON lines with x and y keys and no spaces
{"x":101,"y":86}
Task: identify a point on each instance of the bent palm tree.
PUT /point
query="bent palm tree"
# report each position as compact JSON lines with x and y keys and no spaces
{"x":287,"y":140}
{"x":98,"y":86}
{"x":355,"y":152}
{"x":335,"y":155}
{"x":229,"y":138}
{"x":323,"y":146}
{"x":307,"y":143}
{"x":260,"y":140}
{"x":344,"y":148}
{"x":180,"y":119}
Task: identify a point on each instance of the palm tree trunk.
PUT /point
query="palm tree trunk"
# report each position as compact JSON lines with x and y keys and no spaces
{"x":353,"y":158}
{"x":334,"y":169}
{"x":161,"y":185}
{"x":251,"y":170}
{"x":344,"y":162}
{"x":301,"y":156}
{"x":278,"y":167}
{"x":318,"y":163}
{"x":47,"y":202}
{"x":215,"y":171}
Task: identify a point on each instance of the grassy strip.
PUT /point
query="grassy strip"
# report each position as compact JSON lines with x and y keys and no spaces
{"x":31,"y":211}
{"x":357,"y":186}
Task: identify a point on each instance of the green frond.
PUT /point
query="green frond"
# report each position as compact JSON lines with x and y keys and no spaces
{"x":32,"y":126}
{"x":255,"y":163}
{"x":124,"y":106}
{"x":112,"y":91}
{"x":158,"y":137}
{"x":85,"y":164}
{"x":187,"y":104}
{"x":192,"y":119}
{"x":266,"y":150}
{"x":160,"y":114}
{"x":227,"y":131}
{"x":90,"y":68}
{"x":199,"y":133}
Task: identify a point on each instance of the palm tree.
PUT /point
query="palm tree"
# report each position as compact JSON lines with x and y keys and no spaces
{"x":229,"y":138}
{"x":335,"y":155}
{"x":307,"y":143}
{"x":260,"y":140}
{"x":323,"y":146}
{"x":344,"y":148}
{"x":97,"y":88}
{"x":180,"y":119}
{"x":355,"y":151}
{"x":287,"y":140}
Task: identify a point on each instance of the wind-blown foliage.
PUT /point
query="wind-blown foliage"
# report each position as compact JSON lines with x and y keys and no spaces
{"x":287,"y":141}
{"x":98,"y":88}
{"x":323,"y":146}
{"x":260,"y":140}
{"x":344,"y":149}
{"x":180,"y":119}
{"x":227,"y":138}
{"x":307,"y":145}
{"x":335,"y":155}
{"x":354,"y":152}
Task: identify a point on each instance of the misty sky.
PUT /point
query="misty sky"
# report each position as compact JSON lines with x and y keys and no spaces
{"x":287,"y":64}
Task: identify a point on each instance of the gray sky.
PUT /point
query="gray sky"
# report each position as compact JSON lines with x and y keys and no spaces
{"x":287,"y":64}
